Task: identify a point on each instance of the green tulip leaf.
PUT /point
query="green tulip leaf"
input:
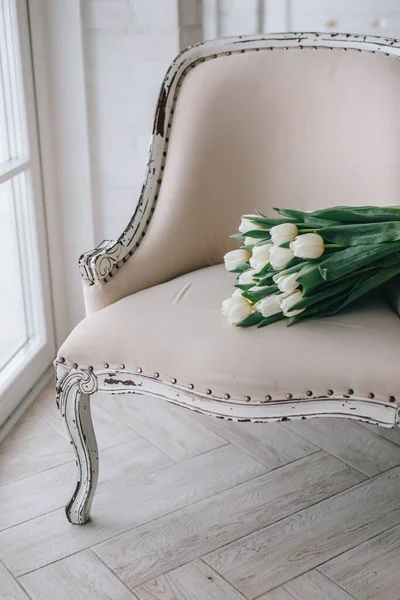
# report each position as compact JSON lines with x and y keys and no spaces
{"x":350,"y":259}
{"x":270,"y":320}
{"x":359,"y":214}
{"x":362,"y":234}
{"x":252,"y":319}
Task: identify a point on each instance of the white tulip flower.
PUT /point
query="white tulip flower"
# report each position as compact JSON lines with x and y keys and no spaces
{"x":236,"y":308}
{"x":247,"y":277}
{"x":262,"y":252}
{"x":257,"y":265}
{"x":260,"y":257}
{"x":286,"y":232}
{"x":279,"y":257}
{"x":235,"y":258}
{"x":308,"y":245}
{"x":290,"y":301}
{"x":269,"y":306}
{"x":287,"y":284}
{"x":246,"y":225}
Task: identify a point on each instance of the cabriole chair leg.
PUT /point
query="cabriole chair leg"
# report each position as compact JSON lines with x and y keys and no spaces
{"x":73,"y":399}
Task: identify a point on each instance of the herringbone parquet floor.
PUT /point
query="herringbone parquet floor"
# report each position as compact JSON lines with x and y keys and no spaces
{"x":189,"y":508}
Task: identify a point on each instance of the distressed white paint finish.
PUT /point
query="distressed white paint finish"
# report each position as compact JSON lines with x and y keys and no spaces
{"x":97,"y":265}
{"x":73,"y":389}
{"x":74,"y":386}
{"x":75,"y":383}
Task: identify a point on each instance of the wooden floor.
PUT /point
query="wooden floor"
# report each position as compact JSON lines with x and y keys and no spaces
{"x":189,"y":508}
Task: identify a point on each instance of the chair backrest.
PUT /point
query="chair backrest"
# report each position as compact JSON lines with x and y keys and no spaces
{"x":300,"y":121}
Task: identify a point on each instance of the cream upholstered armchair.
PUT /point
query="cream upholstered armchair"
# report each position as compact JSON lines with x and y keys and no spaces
{"x":293,"y":120}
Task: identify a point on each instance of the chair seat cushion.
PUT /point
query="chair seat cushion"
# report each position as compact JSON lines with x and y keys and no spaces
{"x":177,"y":329}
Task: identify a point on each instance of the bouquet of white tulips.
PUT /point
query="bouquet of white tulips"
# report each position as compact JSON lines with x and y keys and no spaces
{"x":310,"y":264}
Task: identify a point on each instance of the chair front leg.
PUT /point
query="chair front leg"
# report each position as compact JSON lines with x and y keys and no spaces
{"x":74,"y":388}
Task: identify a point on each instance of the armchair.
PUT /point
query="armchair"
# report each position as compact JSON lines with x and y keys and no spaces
{"x":295,"y":120}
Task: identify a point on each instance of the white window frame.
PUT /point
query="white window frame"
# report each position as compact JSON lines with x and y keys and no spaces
{"x":23,"y":371}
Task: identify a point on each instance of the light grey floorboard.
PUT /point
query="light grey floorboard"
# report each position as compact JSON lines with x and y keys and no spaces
{"x":50,"y":537}
{"x":44,"y":492}
{"x":268,"y":558}
{"x":9,"y":587}
{"x":193,"y":581}
{"x":369,"y":453}
{"x":369,"y":571}
{"x":166,"y":426}
{"x":270,"y":443}
{"x":310,"y":586}
{"x":162,"y":545}
{"x":78,"y":577}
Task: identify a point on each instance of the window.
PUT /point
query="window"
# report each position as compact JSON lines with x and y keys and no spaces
{"x":26,"y":333}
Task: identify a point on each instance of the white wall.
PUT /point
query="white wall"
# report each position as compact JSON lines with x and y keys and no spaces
{"x":129,"y":45}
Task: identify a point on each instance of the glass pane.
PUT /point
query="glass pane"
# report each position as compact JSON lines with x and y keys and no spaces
{"x":14,"y":330}
{"x":12,"y":122}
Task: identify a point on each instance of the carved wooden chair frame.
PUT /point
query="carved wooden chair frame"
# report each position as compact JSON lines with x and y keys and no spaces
{"x":76,"y":383}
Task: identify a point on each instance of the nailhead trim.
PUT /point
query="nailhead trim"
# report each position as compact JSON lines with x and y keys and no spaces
{"x":267,"y":398}
{"x":228,"y":53}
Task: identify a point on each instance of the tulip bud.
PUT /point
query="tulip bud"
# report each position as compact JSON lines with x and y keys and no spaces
{"x":236,"y":308}
{"x":247,"y":277}
{"x":287,"y":283}
{"x":279,"y":257}
{"x":290,"y":301}
{"x":308,"y":245}
{"x":261,"y":252}
{"x":271,"y":305}
{"x":286,"y":232}
{"x":246,"y":225}
{"x":235,"y":258}
{"x":260,"y":256}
